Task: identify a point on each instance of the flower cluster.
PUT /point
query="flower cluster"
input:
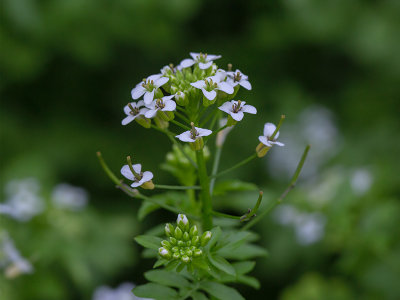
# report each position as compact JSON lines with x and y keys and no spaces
{"x":184,"y":242}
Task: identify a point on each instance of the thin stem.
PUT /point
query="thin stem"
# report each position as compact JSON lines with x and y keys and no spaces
{"x":205,"y":191}
{"x":182,"y":116}
{"x":180,"y":124}
{"x":219,"y":214}
{"x":176,"y":187}
{"x":243,"y":162}
{"x":252,"y":212}
{"x":284,"y":194}
{"x":277,"y":127}
{"x":217,"y":158}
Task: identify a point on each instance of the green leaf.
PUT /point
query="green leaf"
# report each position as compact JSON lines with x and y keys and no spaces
{"x":149,"y":253}
{"x":222,"y":264}
{"x":222,"y":187}
{"x":167,"y":278}
{"x":220,"y":291}
{"x":216,"y":233}
{"x":155,"y":291}
{"x":160,"y":262}
{"x":149,"y":241}
{"x":244,"y":267}
{"x":145,"y":209}
{"x":199,"y":296}
{"x":172,"y":265}
{"x":248,"y":280}
{"x":243,"y":252}
{"x":234,"y":239}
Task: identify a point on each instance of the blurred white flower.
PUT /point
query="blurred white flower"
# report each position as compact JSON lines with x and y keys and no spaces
{"x":221,"y":135}
{"x":122,"y":292}
{"x":236,"y":109}
{"x":138,"y":177}
{"x":11,"y":260}
{"x":266,"y":139}
{"x":70,"y":197}
{"x":22,"y":202}
{"x":361,"y":181}
{"x":203,"y":59}
{"x":309,"y":227}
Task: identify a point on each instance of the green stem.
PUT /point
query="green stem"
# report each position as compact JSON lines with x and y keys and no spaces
{"x":180,"y":124}
{"x":277,"y":127}
{"x":205,"y":191}
{"x":176,"y":187}
{"x":182,"y":116}
{"x":209,"y":116}
{"x":243,"y":162}
{"x":284,"y":194}
{"x":219,"y":214}
{"x":217,"y":158}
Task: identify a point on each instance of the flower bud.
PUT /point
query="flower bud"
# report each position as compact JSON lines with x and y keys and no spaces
{"x":197,"y":253}
{"x":189,"y":252}
{"x":183,"y":222}
{"x":185,"y":259}
{"x":166,"y":244}
{"x":164,"y":253}
{"x":169,"y":229}
{"x":189,"y":243}
{"x":205,"y":238}
{"x":181,"y":244}
{"x":193,"y":231}
{"x":176,"y":255}
{"x":178,"y":233}
{"x":262,"y":150}
{"x":196,"y":240}
{"x":172,"y":239}
{"x":175,"y":249}
{"x":181,"y":98}
{"x":148,"y":185}
{"x":142,"y":121}
{"x":198,"y":144}
{"x":186,"y":236}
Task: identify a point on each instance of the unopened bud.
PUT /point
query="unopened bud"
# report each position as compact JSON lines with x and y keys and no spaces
{"x":198,"y":144}
{"x":205,"y":238}
{"x":186,"y":236}
{"x":193,"y":231}
{"x":197,"y":253}
{"x":164,"y":253}
{"x":181,"y":243}
{"x":196,"y":240}
{"x":185,"y":259}
{"x":176,"y":255}
{"x":169,"y":229}
{"x":181,"y":98}
{"x":166,"y":244}
{"x":189,"y":253}
{"x":172,"y":239}
{"x":183,"y":222}
{"x":178,"y":233}
{"x":175,"y":249}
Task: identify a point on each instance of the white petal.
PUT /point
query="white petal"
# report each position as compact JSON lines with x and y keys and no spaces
{"x":245,"y":84}
{"x":138,"y":91}
{"x":127,"y":109}
{"x":249,"y":109}
{"x":278,"y":143}
{"x":226,"y":107}
{"x":143,"y":110}
{"x":161,"y":81}
{"x":225,"y":87}
{"x":205,"y":66}
{"x":185,"y":137}
{"x":137,"y":168}
{"x":168,"y":97}
{"x":148,"y":97}
{"x":140,"y":103}
{"x":147,"y":176}
{"x":269,"y":129}
{"x":187,"y":63}
{"x":237,"y":116}
{"x":264,"y":140}
{"x":127,"y":172}
{"x":153,"y":77}
{"x":194,"y":55}
{"x":127,"y":120}
{"x":136,"y":184}
{"x":209,"y":95}
{"x":198,"y":84}
{"x":213,"y":56}
{"x":170,"y":105}
{"x":203,"y":132}
{"x":150,"y":113}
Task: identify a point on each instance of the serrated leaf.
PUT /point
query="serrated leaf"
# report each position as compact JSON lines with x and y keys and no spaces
{"x":155,"y":291}
{"x":243,"y":252}
{"x":220,"y":291}
{"x":149,"y":241}
{"x":167,"y":278}
{"x":244,"y":267}
{"x":222,"y":187}
{"x":248,"y":280}
{"x":145,"y":209}
{"x":199,"y":296}
{"x":222,"y":264}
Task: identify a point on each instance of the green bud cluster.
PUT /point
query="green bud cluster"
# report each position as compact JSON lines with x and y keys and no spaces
{"x":184,"y":241}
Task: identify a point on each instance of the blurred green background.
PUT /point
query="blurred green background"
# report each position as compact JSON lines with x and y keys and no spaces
{"x":333,"y":67}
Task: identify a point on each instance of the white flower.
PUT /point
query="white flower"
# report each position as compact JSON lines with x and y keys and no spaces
{"x":70,"y":197}
{"x":133,"y":110}
{"x":163,"y":104}
{"x":137,"y":177}
{"x":237,"y":108}
{"x":22,"y":203}
{"x":237,"y":77}
{"x":211,"y":85}
{"x":193,"y":134}
{"x":204,"y":60}
{"x":269,"y":129}
{"x":148,"y":87}
{"x":12,"y":259}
